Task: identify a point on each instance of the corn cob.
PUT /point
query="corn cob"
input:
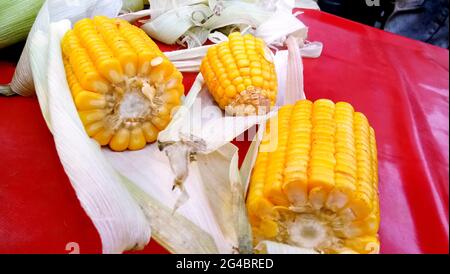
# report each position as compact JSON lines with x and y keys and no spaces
{"x":123,"y":86}
{"x":315,"y":179}
{"x":240,"y":75}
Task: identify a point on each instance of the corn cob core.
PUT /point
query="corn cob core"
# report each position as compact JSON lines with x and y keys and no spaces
{"x":240,"y":75}
{"x":123,"y":86}
{"x":315,"y":180}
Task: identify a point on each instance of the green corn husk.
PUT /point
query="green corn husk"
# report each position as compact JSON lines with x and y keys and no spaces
{"x":16,"y":19}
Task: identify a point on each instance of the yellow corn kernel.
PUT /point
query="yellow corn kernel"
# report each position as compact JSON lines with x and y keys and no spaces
{"x":120,"y":140}
{"x":364,"y":244}
{"x":87,"y":100}
{"x":150,"y":132}
{"x":323,"y":172}
{"x":124,"y":88}
{"x":238,"y":75}
{"x":106,"y":63}
{"x":95,"y":128}
{"x":90,"y":116}
{"x":104,"y":136}
{"x":137,"y":139}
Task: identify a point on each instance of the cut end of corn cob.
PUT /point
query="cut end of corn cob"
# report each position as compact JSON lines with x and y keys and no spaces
{"x":317,"y":186}
{"x":123,"y":86}
{"x":240,"y":75}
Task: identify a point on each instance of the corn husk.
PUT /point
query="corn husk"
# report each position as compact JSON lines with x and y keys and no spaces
{"x":212,"y":221}
{"x":189,"y":60}
{"x":307,"y":4}
{"x":161,"y":28}
{"x":16,"y":19}
{"x":189,"y":22}
{"x":279,"y":25}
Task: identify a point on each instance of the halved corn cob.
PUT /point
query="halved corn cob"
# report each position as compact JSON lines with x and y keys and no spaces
{"x":240,"y":75}
{"x":315,"y":179}
{"x":123,"y":86}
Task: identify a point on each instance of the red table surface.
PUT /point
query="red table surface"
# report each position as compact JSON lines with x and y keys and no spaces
{"x":400,"y":84}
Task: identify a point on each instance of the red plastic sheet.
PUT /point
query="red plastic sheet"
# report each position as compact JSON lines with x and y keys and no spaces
{"x":401,"y":85}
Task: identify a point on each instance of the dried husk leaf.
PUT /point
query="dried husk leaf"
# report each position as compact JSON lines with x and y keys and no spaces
{"x":169,"y":27}
{"x":162,"y":6}
{"x":172,"y":230}
{"x":208,"y":222}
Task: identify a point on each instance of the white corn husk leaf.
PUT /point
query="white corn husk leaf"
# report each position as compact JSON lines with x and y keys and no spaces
{"x":189,"y":60}
{"x":172,"y":21}
{"x":212,"y":221}
{"x":274,"y":32}
{"x":175,"y":23}
{"x":273,"y":22}
{"x":162,"y":6}
{"x":53,"y":11}
{"x":307,"y":4}
{"x":194,"y":37}
{"x":115,"y":214}
{"x":202,"y":121}
{"x":133,"y":16}
{"x":235,"y":13}
{"x":281,"y":24}
{"x":269,"y":247}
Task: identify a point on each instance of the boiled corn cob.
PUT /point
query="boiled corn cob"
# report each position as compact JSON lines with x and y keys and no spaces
{"x":123,"y":86}
{"x":240,"y":75}
{"x":315,"y":179}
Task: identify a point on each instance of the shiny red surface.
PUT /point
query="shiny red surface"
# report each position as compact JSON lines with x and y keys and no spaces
{"x":401,"y":85}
